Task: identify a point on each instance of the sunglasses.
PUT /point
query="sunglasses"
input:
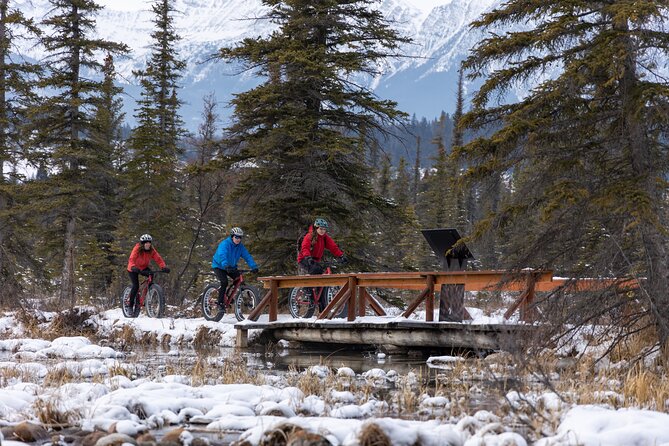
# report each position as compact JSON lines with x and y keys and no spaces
{"x":237,"y":236}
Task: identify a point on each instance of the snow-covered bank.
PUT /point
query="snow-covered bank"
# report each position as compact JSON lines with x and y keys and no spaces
{"x":81,"y":383}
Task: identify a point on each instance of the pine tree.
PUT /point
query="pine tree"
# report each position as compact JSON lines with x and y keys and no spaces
{"x":63,"y":129}
{"x":385,"y":177}
{"x":206,"y":189}
{"x":586,"y":149}
{"x":302,"y":126}
{"x":16,"y":95}
{"x":439,"y":202}
{"x":100,"y":259}
{"x":153,"y":203}
{"x":405,"y":237}
{"x":416,"y":174}
{"x":401,"y":190}
{"x":467,"y":193}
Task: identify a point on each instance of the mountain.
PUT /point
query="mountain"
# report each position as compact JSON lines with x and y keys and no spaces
{"x":422,"y":84}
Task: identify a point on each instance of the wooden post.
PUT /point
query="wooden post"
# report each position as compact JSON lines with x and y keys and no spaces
{"x":524,"y":301}
{"x":352,"y":300}
{"x":527,"y":311}
{"x":428,"y":292}
{"x":429,"y":300}
{"x":274,"y":301}
{"x":242,"y":338}
{"x":362,"y":299}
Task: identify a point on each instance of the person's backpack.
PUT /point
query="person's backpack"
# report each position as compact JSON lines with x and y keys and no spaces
{"x":300,"y":239}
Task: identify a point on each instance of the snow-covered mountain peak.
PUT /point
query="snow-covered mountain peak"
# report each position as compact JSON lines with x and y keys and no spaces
{"x":421,"y":84}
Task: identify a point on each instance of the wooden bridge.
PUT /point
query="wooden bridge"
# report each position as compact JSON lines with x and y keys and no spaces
{"x":353,"y":291}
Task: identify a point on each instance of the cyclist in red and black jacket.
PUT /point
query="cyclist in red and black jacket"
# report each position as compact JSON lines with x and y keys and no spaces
{"x":314,"y":244}
{"x":138,"y":263}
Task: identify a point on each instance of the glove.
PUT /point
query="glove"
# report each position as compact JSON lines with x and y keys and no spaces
{"x":254,"y":270}
{"x":316,"y":268}
{"x":134,"y":269}
{"x":343,"y":260}
{"x":308,"y":260}
{"x":165,"y":269}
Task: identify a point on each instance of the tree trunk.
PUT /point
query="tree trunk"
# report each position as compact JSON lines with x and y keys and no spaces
{"x":644,"y":166}
{"x":67,"y":276}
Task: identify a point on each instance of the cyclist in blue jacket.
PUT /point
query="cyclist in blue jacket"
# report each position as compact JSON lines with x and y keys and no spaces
{"x":226,"y":257}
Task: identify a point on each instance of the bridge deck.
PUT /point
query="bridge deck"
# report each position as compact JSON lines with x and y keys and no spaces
{"x":353,"y":292}
{"x":391,"y":334}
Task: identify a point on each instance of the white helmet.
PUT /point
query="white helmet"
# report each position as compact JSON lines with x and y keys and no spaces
{"x":146,"y":238}
{"x":237,"y":231}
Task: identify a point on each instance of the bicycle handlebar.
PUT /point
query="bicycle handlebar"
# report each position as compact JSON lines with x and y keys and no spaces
{"x":147,"y":272}
{"x":239,"y":270}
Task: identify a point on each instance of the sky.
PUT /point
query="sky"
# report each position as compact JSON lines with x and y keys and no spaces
{"x":251,"y":409}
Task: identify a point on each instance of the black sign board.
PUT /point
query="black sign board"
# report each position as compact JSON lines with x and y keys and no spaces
{"x":442,"y":242}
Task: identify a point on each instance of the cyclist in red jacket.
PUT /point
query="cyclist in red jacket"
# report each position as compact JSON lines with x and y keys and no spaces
{"x":138,"y":263}
{"x":314,"y":244}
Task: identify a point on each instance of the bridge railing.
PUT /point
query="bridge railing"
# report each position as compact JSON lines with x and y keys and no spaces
{"x":353,"y":289}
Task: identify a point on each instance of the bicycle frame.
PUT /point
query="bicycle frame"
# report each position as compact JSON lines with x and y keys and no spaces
{"x":144,"y":288}
{"x":232,"y":289}
{"x":317,"y":292}
{"x":231,"y":292}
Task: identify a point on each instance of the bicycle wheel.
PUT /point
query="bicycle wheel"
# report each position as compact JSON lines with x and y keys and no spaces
{"x":126,"y":304}
{"x":247,"y":299}
{"x":329,"y":293}
{"x":155,"y":301}
{"x":301,"y":303}
{"x":209,"y":302}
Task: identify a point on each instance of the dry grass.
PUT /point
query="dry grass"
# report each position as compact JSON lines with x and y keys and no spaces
{"x":72,"y":322}
{"x":199,"y":372}
{"x":206,"y":338}
{"x":31,"y":321}
{"x":291,"y":434}
{"x":235,"y":371}
{"x":124,"y":338}
{"x":50,"y":414}
{"x":59,"y":376}
{"x":646,"y":389}
{"x":372,"y":435}
{"x":310,"y":384}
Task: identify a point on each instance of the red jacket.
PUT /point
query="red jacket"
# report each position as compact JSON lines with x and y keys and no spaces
{"x":322,"y":243}
{"x":141,"y":258}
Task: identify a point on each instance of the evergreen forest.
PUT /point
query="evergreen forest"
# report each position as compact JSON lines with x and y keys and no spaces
{"x":572,"y":178}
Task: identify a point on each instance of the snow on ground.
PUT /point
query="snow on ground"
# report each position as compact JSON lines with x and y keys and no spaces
{"x":101,"y":396}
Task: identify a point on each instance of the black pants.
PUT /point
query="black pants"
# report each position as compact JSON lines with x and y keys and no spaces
{"x":134,"y":279}
{"x":222,"y":276}
{"x":311,"y":266}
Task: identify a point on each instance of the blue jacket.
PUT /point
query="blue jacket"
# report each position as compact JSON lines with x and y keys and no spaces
{"x":228,"y":254}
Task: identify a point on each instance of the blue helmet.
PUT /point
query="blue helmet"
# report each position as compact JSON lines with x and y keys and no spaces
{"x":321,"y":223}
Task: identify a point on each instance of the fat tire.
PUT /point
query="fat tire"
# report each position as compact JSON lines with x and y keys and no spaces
{"x":128,"y":310}
{"x":246,"y":301}
{"x":297,"y":304}
{"x":209,"y":304}
{"x":154,"y":302}
{"x":329,"y":293}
